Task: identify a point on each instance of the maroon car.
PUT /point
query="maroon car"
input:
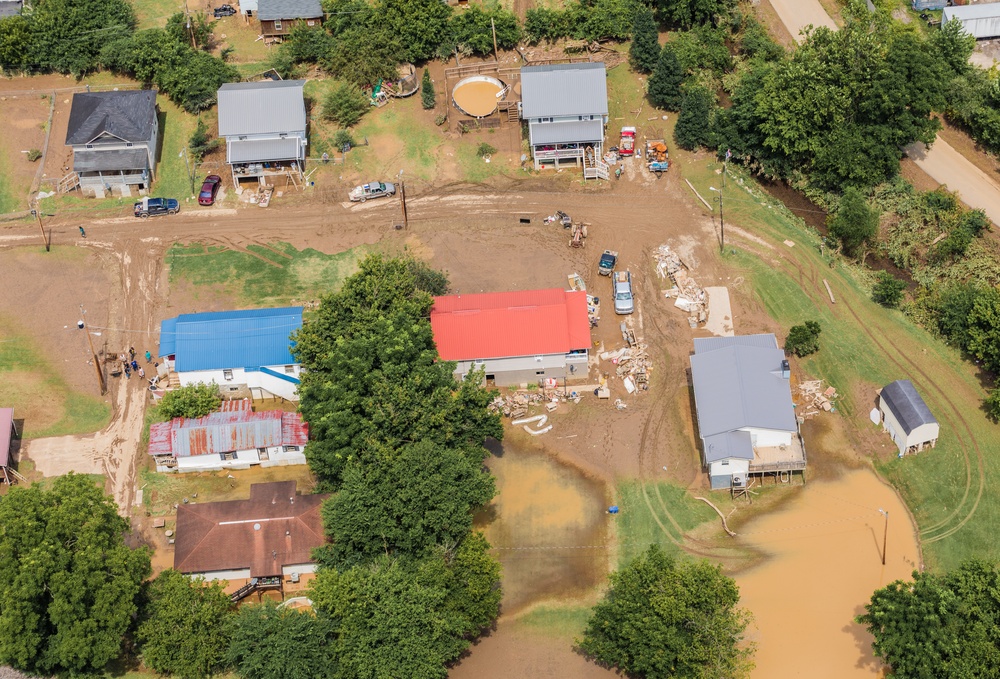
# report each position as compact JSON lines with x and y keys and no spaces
{"x":208,"y":189}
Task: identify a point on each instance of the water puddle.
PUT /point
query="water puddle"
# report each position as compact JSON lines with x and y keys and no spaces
{"x":548,"y":524}
{"x":825,"y":560}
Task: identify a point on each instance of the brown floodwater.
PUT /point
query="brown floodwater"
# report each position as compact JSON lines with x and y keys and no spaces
{"x":824,"y":560}
{"x":548,"y":524}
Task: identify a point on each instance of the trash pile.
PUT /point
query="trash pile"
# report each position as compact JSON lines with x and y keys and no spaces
{"x":814,"y":399}
{"x":593,"y":302}
{"x":656,"y":152}
{"x":515,"y":404}
{"x":688,"y":295}
{"x":632,"y":362}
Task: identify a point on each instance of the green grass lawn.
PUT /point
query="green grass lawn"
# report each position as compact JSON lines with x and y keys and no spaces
{"x":32,"y":386}
{"x":272,"y":275}
{"x":655,"y":513}
{"x":566,"y":621}
{"x":176,"y":126}
{"x":154,"y":13}
{"x":951,"y":490}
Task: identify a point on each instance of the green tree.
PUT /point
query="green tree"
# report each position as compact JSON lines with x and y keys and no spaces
{"x":308,"y":45}
{"x":180,"y":631}
{"x":644,"y":52}
{"x":345,"y":104}
{"x":661,"y":618}
{"x":991,"y":404}
{"x":200,"y":142}
{"x":194,"y":400}
{"x":67,"y":35}
{"x":183,"y":28}
{"x":803,"y":339}
{"x":888,"y":290}
{"x":471,"y":28}
{"x":420,"y":24}
{"x":854,"y":224}
{"x":952,"y":308}
{"x":427,"y":96}
{"x":694,"y":124}
{"x":984,"y":329}
{"x":405,"y":503}
{"x":15,"y":41}
{"x":70,"y":585}
{"x":364,"y":54}
{"x":267,"y":642}
{"x":687,"y":13}
{"x":954,"y":45}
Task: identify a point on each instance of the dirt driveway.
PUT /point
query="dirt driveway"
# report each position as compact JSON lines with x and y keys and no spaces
{"x":797,"y":14}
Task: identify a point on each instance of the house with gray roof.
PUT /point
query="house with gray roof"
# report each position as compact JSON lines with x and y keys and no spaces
{"x":113,"y":136}
{"x":746,"y":419}
{"x":566,"y":108}
{"x":907,"y":418}
{"x":278,"y":17}
{"x":264,"y":125}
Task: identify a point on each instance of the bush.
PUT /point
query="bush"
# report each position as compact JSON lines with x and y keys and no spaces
{"x":694,"y":127}
{"x":992,"y":404}
{"x":803,"y":339}
{"x":200,"y":143}
{"x":343,"y":138}
{"x":888,"y":290}
{"x":345,"y":104}
{"x":427,"y":95}
{"x":854,"y":224}
{"x":34,"y":154}
{"x":485,"y":150}
{"x":196,"y":400}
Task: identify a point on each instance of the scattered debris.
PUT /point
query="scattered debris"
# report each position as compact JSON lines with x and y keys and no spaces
{"x":813,"y":399}
{"x":540,"y":419}
{"x":688,"y":295}
{"x":620,"y":404}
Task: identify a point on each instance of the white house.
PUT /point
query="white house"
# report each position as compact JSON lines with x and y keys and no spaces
{"x":248,"y":349}
{"x":264,"y":125}
{"x":566,"y":108}
{"x":907,"y":418}
{"x":114,"y":139}
{"x":234,"y":437}
{"x":266,"y":540}
{"x":746,"y":419}
{"x":518,"y":337}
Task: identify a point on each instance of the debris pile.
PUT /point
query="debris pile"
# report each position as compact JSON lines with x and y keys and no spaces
{"x":656,"y":151}
{"x":632,"y":364}
{"x":814,"y":399}
{"x":688,"y":295}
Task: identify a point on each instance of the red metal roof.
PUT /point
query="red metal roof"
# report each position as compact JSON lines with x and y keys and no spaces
{"x":505,"y":324}
{"x":6,"y":429}
{"x":233,"y":427}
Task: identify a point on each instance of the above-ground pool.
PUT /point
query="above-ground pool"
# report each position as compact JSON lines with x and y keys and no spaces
{"x":477,"y":95}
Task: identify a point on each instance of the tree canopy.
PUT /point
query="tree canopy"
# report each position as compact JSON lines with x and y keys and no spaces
{"x":70,"y":584}
{"x":267,"y":642}
{"x":803,"y":339}
{"x":180,"y":631}
{"x":663,"y":618}
{"x":664,"y":88}
{"x":854,"y":223}
{"x":194,"y":400}
{"x":644,"y":52}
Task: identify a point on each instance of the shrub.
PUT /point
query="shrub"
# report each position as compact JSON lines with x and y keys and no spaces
{"x":345,"y":104}
{"x":803,"y":339}
{"x":888,"y":290}
{"x":854,"y":223}
{"x":992,"y":404}
{"x":343,"y":138}
{"x":34,"y":154}
{"x":200,"y":143}
{"x":196,"y":400}
{"x":485,"y":150}
{"x":427,"y":95}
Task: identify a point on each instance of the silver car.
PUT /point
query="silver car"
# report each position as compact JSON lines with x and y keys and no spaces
{"x":624,"y":302}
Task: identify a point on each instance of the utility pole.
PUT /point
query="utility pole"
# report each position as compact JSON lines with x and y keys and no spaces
{"x":37,"y":214}
{"x":187,"y":164}
{"x":90,"y":342}
{"x":402,"y":200}
{"x":496,"y":54}
{"x":722,"y":219}
{"x":885,"y":532}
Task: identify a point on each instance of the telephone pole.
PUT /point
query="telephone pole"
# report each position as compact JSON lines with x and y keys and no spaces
{"x":93,"y":354}
{"x":37,"y":214}
{"x":496,"y":54}
{"x":402,"y":200}
{"x":885,"y":532}
{"x":722,"y":220}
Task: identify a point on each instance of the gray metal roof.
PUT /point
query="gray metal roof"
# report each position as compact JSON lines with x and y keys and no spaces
{"x":126,"y":114}
{"x":564,"y":90}
{"x":764,"y":341}
{"x":567,"y":132}
{"x":95,"y":160}
{"x":729,"y":445}
{"x":9,"y":8}
{"x":262,"y":108}
{"x":269,"y":10}
{"x":740,"y":386}
{"x":906,"y":404}
{"x":263,"y":150}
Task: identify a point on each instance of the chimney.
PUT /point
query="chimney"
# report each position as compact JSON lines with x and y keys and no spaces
{"x":786,"y":370}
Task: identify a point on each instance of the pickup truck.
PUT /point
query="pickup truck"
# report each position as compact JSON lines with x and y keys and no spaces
{"x":153,"y":207}
{"x":624,"y":302}
{"x":626,"y":146}
{"x":371,"y":190}
{"x":607,"y":263}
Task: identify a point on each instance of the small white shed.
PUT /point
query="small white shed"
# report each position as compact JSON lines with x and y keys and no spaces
{"x":907,"y":418}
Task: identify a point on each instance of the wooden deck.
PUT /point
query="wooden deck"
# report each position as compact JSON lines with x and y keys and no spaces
{"x":779,"y":458}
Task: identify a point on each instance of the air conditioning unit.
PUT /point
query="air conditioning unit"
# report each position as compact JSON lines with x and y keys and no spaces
{"x":739,"y":481}
{"x":293,"y":576}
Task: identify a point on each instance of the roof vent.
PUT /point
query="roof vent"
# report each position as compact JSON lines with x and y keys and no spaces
{"x":786,"y":370}
{"x":256,"y":526}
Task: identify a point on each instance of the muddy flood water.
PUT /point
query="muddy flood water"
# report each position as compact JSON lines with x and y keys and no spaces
{"x":549,"y":526}
{"x":825,"y":560}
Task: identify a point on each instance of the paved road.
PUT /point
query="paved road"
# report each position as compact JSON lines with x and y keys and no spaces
{"x":941,"y":162}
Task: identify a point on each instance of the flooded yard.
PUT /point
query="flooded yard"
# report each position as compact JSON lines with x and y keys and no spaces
{"x":549,"y":525}
{"x":824,"y":552}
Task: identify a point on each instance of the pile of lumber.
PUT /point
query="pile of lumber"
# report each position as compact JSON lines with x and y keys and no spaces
{"x":687,"y":294}
{"x":632,"y":366}
{"x":815,"y":398}
{"x":657,"y":151}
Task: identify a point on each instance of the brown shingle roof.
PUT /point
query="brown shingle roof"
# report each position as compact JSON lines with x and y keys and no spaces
{"x":274,"y":528}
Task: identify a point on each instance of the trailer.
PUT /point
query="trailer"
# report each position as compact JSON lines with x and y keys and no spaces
{"x":626,"y":146}
{"x":656,"y":156}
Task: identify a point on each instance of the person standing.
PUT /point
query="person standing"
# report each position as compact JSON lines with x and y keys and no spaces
{"x":149,"y":357}
{"x":128,"y":373}
{"x":131,"y":352}
{"x":135,"y":365}
{"x":142,"y":373}
{"x":83,"y":234}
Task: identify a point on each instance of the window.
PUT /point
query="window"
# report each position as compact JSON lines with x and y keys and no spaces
{"x":289,"y":369}
{"x":262,"y":450}
{"x":128,"y":143}
{"x":290,"y":449}
{"x":539,"y":372}
{"x":277,"y":25}
{"x":90,"y":146}
{"x":227,"y":374}
{"x":311,"y":22}
{"x":228,"y":456}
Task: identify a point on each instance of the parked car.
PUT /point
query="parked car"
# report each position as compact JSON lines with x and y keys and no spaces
{"x":624,"y":302}
{"x":371,"y":190}
{"x":209,"y":188}
{"x":224,"y":11}
{"x":607,"y":263}
{"x":153,"y":207}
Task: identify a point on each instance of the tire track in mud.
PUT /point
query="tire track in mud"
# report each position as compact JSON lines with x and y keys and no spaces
{"x":930,"y":533}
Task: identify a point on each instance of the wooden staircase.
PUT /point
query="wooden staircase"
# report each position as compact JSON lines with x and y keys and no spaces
{"x":68,"y":183}
{"x":594,"y":167}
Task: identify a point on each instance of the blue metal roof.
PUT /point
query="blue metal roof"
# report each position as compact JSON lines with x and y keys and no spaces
{"x":221,"y":340}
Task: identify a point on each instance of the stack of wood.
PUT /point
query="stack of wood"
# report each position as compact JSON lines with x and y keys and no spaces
{"x":815,"y":399}
{"x":632,"y":363}
{"x":657,"y":151}
{"x":688,"y":295}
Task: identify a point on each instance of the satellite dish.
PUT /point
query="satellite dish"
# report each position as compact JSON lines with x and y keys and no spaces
{"x":875,"y":416}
